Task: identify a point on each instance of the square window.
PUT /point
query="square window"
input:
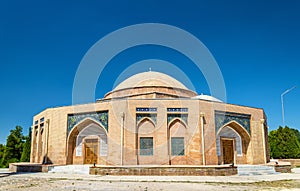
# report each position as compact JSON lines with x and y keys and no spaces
{"x":146,"y":145}
{"x":177,"y":146}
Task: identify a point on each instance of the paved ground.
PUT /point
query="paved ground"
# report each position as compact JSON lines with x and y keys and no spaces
{"x":71,"y":182}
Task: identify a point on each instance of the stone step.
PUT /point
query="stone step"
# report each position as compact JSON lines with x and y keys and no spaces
{"x":248,"y":170}
{"x":70,"y":169}
{"x":252,"y":168}
{"x":243,"y":170}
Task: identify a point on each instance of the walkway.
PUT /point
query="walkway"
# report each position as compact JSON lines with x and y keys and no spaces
{"x":70,"y":182}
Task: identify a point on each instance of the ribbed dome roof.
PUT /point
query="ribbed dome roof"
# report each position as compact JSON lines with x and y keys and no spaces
{"x":150,"y":79}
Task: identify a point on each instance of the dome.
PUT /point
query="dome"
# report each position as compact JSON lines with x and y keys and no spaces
{"x":207,"y":98}
{"x":150,"y":79}
{"x":150,"y":85}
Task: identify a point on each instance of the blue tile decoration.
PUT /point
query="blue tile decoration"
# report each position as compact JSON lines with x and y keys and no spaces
{"x":99,"y":116}
{"x":182,"y":116}
{"x":177,"y":110}
{"x":221,"y":118}
{"x":177,"y":113}
{"x":149,"y":112}
{"x":146,"y":109}
{"x":140,"y":116}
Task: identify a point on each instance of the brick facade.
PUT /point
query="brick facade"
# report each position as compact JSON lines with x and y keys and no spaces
{"x":57,"y":135}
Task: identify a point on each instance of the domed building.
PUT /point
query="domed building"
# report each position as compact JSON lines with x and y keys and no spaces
{"x":151,"y":119}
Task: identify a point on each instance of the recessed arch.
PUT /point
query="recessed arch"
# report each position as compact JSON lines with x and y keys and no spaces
{"x":239,"y":146}
{"x":141,"y":121}
{"x":85,"y":128}
{"x":175,"y":120}
{"x":146,"y":127}
{"x":238,"y":128}
{"x":177,"y":134}
{"x":145,"y":141}
{"x":228,"y":132}
{"x":83,"y":123}
{"x":92,"y":131}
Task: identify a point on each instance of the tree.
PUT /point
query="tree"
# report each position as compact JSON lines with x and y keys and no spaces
{"x":25,"y":157}
{"x":284,"y":143}
{"x":2,"y":147}
{"x":2,"y":150}
{"x":14,"y":147}
{"x":297,"y":133}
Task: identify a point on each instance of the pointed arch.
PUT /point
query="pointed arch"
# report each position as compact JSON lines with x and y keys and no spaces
{"x":83,"y":123}
{"x":228,"y":132}
{"x":241,"y":140}
{"x":86,"y":127}
{"x":177,"y":134}
{"x":175,"y":120}
{"x":238,"y":128}
{"x":145,"y":141}
{"x":141,"y":121}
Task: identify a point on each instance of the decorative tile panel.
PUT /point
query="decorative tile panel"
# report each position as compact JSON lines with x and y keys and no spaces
{"x":177,"y":110}
{"x":183,"y":116}
{"x":146,"y":109}
{"x":99,"y":116}
{"x":221,"y":118}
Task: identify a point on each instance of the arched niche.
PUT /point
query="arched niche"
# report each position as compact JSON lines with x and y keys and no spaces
{"x":87,"y":129}
{"x":241,"y":140}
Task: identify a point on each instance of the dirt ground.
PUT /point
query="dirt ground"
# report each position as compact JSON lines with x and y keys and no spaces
{"x":55,"y":182}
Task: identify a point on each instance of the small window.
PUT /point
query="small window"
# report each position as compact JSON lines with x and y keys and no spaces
{"x":42,"y":120}
{"x":177,"y":144}
{"x":146,"y":146}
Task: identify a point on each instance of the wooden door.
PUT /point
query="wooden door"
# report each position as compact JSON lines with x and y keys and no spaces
{"x":228,"y":152}
{"x":91,"y":151}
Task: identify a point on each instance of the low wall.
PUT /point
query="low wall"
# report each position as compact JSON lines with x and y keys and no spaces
{"x":27,"y":167}
{"x":165,"y":171}
{"x":294,"y":162}
{"x":283,"y":168}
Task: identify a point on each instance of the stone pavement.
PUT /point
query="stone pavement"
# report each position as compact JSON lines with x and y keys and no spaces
{"x":78,"y":182}
{"x":189,"y":179}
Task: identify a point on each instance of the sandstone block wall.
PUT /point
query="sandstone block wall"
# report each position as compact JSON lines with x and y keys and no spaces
{"x":50,"y":143}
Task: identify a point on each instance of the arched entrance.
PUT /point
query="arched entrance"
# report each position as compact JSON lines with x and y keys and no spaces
{"x":87,"y":143}
{"x":232,"y":142}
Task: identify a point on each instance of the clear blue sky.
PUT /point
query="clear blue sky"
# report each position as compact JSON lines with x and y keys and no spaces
{"x":256,"y":44}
